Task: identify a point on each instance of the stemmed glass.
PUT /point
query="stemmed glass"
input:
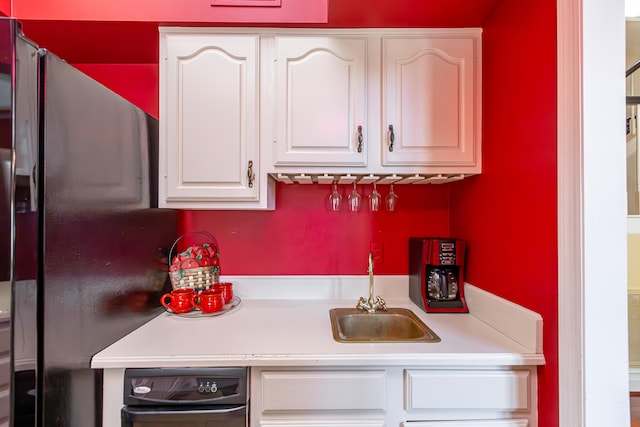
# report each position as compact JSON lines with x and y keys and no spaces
{"x":391,"y":200}
{"x":374,"y":199}
{"x":354,"y":199}
{"x":335,"y":199}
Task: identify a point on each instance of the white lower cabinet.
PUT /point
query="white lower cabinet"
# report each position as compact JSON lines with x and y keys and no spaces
{"x":333,"y":422}
{"x":472,"y":423}
{"x":394,"y":396}
{"x":326,"y":390}
{"x":318,"y":397}
{"x":457,"y":389}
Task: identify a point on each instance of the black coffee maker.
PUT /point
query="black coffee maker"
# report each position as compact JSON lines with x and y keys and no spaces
{"x":436,"y":267}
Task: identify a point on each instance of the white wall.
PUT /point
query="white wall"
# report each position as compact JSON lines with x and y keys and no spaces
{"x":604,"y":215}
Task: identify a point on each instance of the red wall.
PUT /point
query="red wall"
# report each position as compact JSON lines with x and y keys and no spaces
{"x":302,"y":237}
{"x":168,"y":11}
{"x":411,"y":13}
{"x":508,"y":214}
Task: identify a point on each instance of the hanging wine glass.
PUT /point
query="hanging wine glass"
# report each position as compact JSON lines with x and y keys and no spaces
{"x":354,"y":199}
{"x":391,"y":200}
{"x":335,"y":199}
{"x":374,"y":199}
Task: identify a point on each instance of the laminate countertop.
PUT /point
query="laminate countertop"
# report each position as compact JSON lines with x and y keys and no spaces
{"x":264,"y":330}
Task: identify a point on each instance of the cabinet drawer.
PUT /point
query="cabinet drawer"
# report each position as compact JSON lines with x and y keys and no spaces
{"x":323,"y":390}
{"x":461,"y":389}
{"x":472,"y":423}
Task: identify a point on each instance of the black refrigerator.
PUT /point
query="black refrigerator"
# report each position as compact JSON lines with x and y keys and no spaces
{"x":83,"y":247}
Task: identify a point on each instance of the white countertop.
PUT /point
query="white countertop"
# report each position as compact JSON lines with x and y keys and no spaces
{"x":297,"y":332}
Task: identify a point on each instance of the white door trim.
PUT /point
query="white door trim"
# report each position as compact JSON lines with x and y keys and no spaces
{"x":592,"y":325}
{"x":570,"y":256}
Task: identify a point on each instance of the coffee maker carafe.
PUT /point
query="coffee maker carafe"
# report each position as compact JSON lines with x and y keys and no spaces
{"x":436,"y":269}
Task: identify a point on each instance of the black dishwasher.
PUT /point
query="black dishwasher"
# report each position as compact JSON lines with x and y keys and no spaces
{"x":185,"y":397}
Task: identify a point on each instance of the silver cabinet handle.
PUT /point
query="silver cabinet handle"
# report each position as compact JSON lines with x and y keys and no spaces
{"x":392,"y":138}
{"x":251,"y":176}
{"x":360,"y":139}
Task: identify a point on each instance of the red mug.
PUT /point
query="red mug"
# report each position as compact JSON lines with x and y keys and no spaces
{"x":208,"y":301}
{"x":179,"y":300}
{"x":227,"y":290}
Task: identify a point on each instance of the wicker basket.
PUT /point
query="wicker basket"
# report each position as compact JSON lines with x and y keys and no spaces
{"x":184,"y":274}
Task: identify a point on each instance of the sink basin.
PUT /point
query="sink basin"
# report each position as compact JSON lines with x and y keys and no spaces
{"x":392,"y":325}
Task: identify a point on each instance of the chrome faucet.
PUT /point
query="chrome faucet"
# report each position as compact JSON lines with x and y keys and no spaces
{"x":371,"y":306}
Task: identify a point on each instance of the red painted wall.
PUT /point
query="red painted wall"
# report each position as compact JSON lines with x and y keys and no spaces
{"x":169,"y":11}
{"x":5,"y":7}
{"x":301,"y":237}
{"x":411,"y":13}
{"x":508,"y":214}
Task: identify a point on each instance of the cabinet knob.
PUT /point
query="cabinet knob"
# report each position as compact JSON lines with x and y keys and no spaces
{"x":392,"y":138}
{"x":251,"y":176}
{"x":360,"y":139}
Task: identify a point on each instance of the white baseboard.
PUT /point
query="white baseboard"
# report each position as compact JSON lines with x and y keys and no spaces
{"x":633,"y":224}
{"x":634,"y":379}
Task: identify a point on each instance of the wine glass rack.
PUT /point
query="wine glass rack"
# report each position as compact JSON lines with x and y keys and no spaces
{"x":327,"y":178}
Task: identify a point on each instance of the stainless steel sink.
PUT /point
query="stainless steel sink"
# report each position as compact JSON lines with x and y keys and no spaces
{"x":392,"y":325}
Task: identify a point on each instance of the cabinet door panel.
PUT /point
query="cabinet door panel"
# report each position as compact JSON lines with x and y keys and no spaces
{"x":320,"y":100}
{"x":490,"y":389}
{"x":212,"y":117}
{"x":323,"y":391}
{"x":314,"y":422}
{"x":472,"y":423}
{"x":429,"y":96}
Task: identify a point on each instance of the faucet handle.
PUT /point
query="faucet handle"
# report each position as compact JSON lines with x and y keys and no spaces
{"x":380,"y":303}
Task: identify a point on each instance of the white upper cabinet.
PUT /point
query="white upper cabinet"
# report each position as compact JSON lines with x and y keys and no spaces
{"x":240,"y":107}
{"x":210,"y":127}
{"x":429,"y":101}
{"x":320,"y":100}
{"x":385,"y":101}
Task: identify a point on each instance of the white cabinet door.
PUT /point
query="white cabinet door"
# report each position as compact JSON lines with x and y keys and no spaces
{"x":320,"y":85}
{"x":503,"y":390}
{"x":321,"y":397}
{"x":314,"y":422}
{"x":430,"y":102}
{"x":471,"y":423}
{"x":210,"y":134}
{"x":323,"y":390}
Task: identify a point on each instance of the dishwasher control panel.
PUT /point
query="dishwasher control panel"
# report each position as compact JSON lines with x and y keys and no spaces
{"x":198,"y":386}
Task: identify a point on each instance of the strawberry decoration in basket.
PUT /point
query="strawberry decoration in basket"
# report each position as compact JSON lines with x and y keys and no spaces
{"x":198,"y":266}
{"x":196,"y":256}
